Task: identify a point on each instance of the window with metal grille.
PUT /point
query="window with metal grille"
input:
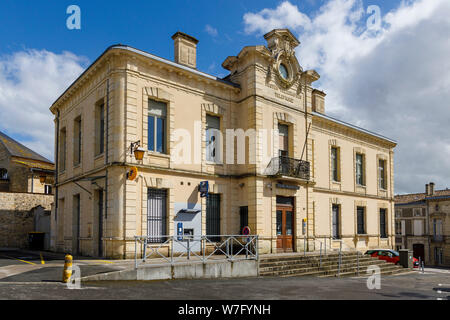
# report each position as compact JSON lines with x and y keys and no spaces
{"x":383,"y":233}
{"x":336,"y":233}
{"x":156,"y":215}
{"x":360,"y":211}
{"x":243,"y":212}
{"x":213,"y":216}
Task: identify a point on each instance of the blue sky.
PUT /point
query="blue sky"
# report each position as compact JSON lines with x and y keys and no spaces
{"x":393,"y":80}
{"x":147,"y":25}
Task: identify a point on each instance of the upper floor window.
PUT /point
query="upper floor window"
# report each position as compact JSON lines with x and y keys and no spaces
{"x":77,"y":141}
{"x":62,"y":149}
{"x":382,"y":174}
{"x":335,"y":164}
{"x":360,"y":169}
{"x":157,"y":126}
{"x":283,"y":144}
{"x":213,"y":146}
{"x":99,"y":128}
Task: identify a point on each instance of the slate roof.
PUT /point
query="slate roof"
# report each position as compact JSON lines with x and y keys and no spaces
{"x":417,"y":197}
{"x":17,"y":149}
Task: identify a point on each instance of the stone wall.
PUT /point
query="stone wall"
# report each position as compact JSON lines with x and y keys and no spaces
{"x":16,"y":216}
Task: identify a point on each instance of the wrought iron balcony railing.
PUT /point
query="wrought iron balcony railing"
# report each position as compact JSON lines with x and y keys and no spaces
{"x":285,"y":166}
{"x":438,"y":238}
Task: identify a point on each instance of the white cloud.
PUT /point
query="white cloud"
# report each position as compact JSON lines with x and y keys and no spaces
{"x":30,"y":81}
{"x":394,"y":81}
{"x":285,"y":14}
{"x":211,"y":31}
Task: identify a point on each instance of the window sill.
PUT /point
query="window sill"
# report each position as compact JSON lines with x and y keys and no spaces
{"x":336,"y":182}
{"x":210,"y":163}
{"x":157,"y":154}
{"x":99,"y":156}
{"x":76,"y":166}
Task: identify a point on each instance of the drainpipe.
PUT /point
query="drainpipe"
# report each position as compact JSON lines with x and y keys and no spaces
{"x":56,"y":165}
{"x":107,"y":148}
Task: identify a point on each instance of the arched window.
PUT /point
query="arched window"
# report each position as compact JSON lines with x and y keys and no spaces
{"x":3,"y":174}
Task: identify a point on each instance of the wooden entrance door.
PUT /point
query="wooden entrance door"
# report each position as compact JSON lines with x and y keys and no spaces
{"x":285,"y":228}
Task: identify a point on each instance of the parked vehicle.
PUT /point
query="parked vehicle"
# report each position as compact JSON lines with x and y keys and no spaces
{"x":389,"y":256}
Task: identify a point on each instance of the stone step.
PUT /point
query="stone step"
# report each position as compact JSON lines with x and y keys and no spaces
{"x":300,"y":256}
{"x":388,"y":270}
{"x":330,"y":270}
{"x":326,"y":265}
{"x":312,"y":261}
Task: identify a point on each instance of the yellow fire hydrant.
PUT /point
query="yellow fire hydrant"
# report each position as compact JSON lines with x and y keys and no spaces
{"x":67,"y":272}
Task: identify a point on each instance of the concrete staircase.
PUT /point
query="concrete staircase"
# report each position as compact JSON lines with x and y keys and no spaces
{"x":293,"y":265}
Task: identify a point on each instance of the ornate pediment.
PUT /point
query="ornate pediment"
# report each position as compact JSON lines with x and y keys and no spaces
{"x":283,"y":63}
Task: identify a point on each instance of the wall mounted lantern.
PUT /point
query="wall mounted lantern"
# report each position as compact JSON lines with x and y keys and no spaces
{"x":137,"y":150}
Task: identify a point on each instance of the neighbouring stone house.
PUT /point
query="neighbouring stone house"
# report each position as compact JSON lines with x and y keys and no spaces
{"x":26,"y":180}
{"x":422,"y":223}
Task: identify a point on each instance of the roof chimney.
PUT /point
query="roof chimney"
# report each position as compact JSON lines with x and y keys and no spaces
{"x":185,"y":48}
{"x":431,"y":188}
{"x":427,"y":189}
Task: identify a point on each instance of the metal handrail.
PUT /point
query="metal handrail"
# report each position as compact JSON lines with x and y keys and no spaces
{"x":247,"y":248}
{"x":291,"y":167}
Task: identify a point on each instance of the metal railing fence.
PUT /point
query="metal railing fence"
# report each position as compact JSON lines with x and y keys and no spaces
{"x":181,"y":249}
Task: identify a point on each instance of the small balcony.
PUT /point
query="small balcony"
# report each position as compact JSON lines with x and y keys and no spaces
{"x":437,"y":238}
{"x":288,"y":167}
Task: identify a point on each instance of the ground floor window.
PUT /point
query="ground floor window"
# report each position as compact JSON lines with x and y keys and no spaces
{"x":213,"y":216}
{"x":156,"y":215}
{"x":383,"y":233}
{"x":336,"y":222}
{"x":360,"y":212}
{"x":243,"y":213}
{"x":438,"y":256}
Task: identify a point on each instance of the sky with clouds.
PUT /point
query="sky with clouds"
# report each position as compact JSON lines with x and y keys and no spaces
{"x":391,"y":76}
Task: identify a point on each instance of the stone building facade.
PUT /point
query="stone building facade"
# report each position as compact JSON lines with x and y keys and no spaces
{"x":260,"y":137}
{"x":423,"y":224}
{"x":26,"y":180}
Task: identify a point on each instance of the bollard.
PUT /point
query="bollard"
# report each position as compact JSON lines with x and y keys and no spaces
{"x":67,"y":272}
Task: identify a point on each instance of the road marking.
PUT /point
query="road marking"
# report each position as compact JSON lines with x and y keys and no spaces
{"x":42,"y":258}
{"x":19,"y":259}
{"x":105,"y":261}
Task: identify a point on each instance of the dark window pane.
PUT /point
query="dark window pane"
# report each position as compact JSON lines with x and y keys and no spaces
{"x":360,"y":220}
{"x":213,"y":216}
{"x":243,"y":213}
{"x":383,"y":223}
{"x":279,"y":222}
{"x":160,"y":135}
{"x":336,"y":222}
{"x":151,"y":133}
{"x":289,"y":223}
